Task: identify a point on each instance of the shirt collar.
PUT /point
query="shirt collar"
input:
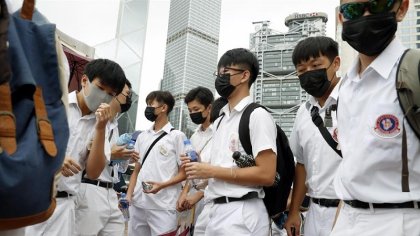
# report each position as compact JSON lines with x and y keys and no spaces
{"x":385,"y":62}
{"x":239,"y":107}
{"x":167,"y":128}
{"x":209,"y":129}
{"x":73,"y":98}
{"x":332,"y":98}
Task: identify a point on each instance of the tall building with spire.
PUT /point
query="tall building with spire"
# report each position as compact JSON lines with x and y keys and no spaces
{"x":191,"y":53}
{"x":277,"y":86}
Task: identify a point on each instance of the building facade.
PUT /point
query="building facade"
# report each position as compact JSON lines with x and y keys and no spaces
{"x":409,"y":28}
{"x":191,"y":53}
{"x":277,"y":86}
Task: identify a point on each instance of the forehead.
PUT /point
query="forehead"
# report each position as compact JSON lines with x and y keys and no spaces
{"x":319,"y":59}
{"x":194,"y":103}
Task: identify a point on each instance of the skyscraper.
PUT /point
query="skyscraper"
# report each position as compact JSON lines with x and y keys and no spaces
{"x":409,"y":28}
{"x":277,"y":86}
{"x":191,"y":53}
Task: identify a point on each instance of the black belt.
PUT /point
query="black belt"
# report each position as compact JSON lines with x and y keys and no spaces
{"x":247,"y":196}
{"x":365,"y":205}
{"x":326,"y":202}
{"x":63,"y":194}
{"x":98,"y":183}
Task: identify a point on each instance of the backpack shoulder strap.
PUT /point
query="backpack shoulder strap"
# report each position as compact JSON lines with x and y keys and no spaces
{"x":317,"y":120}
{"x":153,"y":144}
{"x":244,"y":127}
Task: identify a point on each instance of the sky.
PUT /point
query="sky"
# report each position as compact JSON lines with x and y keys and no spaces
{"x":94,"y":22}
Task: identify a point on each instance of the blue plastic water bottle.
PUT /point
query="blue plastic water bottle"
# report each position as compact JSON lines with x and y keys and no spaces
{"x":124,"y":207}
{"x":189,"y":150}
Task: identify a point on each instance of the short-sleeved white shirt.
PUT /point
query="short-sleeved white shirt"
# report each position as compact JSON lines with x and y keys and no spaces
{"x":81,"y":128}
{"x":370,"y":130}
{"x":110,"y":172}
{"x":202,"y":141}
{"x":226,"y":141}
{"x":162,"y":164}
{"x":311,"y":150}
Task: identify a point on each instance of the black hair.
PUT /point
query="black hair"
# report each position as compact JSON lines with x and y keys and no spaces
{"x":241,"y":57}
{"x":128,"y":83}
{"x":108,"y":72}
{"x":315,"y":47}
{"x":217,"y":105}
{"x":164,"y":97}
{"x":203,"y":95}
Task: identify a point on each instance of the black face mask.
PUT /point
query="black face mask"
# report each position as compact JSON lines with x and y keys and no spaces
{"x":223,"y":86}
{"x":315,"y":82}
{"x":125,"y":107}
{"x":149,"y":113}
{"x":370,"y":35}
{"x":197,"y":118}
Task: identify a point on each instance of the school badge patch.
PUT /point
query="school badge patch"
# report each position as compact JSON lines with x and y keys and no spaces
{"x":387,"y":126}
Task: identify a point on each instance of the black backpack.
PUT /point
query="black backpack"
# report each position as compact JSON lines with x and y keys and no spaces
{"x":276,"y":196}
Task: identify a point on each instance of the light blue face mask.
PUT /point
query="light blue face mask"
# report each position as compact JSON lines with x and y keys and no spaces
{"x":95,"y":97}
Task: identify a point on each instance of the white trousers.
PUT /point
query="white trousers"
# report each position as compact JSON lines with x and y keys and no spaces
{"x":146,"y":222}
{"x":319,"y":220}
{"x":247,"y":217}
{"x":97,"y":212}
{"x":393,"y":222}
{"x":275,"y":231}
{"x":61,"y":222}
{"x":203,"y":220}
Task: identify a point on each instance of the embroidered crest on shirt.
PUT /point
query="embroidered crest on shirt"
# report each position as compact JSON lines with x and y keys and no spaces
{"x":387,"y":126}
{"x":163,"y":150}
{"x":234,"y":142}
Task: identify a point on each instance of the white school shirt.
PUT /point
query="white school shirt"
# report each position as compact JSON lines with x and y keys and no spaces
{"x":161,"y":164}
{"x":201,"y":141}
{"x":81,"y":128}
{"x":226,"y":141}
{"x":311,"y":150}
{"x":370,"y":130}
{"x":106,"y":174}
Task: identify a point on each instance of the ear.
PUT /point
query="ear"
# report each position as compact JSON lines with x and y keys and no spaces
{"x":340,"y":18}
{"x":247,"y":76}
{"x":84,"y":80}
{"x":402,"y":10}
{"x":337,"y":63}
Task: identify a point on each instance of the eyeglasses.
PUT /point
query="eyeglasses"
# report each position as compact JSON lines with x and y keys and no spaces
{"x":354,"y":10}
{"x":127,"y":98}
{"x":216,"y":73}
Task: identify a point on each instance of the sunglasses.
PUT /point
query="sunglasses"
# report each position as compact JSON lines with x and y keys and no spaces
{"x":354,"y":10}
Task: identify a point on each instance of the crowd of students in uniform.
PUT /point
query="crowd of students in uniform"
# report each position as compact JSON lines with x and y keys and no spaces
{"x":355,"y":184}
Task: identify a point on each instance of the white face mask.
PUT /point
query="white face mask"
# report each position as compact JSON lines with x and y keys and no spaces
{"x":95,"y":97}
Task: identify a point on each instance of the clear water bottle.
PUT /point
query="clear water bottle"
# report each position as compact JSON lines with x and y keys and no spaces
{"x":191,"y":153}
{"x":124,"y":207}
{"x":130,"y":144}
{"x":124,"y":139}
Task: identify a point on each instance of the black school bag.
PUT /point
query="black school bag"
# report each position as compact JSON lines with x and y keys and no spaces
{"x":276,"y":196}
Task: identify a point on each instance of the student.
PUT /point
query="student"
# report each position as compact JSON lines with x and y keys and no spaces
{"x":199,"y":101}
{"x":237,"y":192}
{"x":153,"y":211}
{"x":370,"y":126}
{"x":317,"y":62}
{"x":97,"y":212}
{"x":88,"y":113}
